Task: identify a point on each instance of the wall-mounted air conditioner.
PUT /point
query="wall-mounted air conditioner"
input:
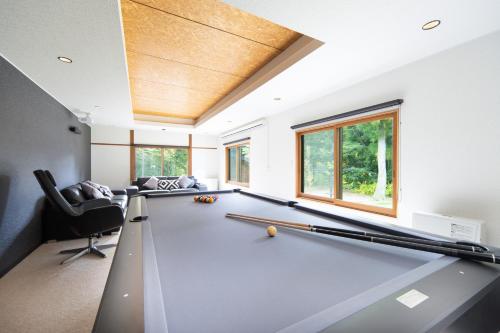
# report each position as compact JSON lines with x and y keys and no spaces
{"x":450,"y":226}
{"x":244,"y":128}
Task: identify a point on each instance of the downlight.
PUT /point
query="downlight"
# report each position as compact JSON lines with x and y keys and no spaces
{"x":431,"y":25}
{"x":65,"y":60}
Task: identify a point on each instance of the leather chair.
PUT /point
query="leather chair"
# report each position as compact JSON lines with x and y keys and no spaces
{"x":88,"y":219}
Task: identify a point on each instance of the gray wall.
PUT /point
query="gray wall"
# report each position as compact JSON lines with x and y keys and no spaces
{"x":33,"y":135}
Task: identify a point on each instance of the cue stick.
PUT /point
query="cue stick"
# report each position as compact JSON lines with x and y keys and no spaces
{"x":480,"y":256}
{"x":458,"y":246}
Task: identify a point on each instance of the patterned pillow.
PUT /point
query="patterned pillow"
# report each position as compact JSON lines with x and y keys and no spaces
{"x":168,"y":184}
{"x":162,"y":184}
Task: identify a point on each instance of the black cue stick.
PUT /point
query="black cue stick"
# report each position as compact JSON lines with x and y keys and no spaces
{"x":458,"y":246}
{"x":465,"y":254}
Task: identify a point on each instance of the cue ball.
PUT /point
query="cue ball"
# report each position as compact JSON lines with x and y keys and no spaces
{"x":272,"y":231}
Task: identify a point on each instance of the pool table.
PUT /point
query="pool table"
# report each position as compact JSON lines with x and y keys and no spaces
{"x":182,"y":266}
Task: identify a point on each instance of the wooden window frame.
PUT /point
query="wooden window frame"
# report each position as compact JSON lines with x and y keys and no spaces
{"x":226,"y":152}
{"x":162,"y":148}
{"x":391,"y":114}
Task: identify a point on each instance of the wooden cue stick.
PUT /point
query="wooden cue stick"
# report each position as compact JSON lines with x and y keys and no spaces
{"x":300,"y":226}
{"x":394,"y":237}
{"x":486,"y":257}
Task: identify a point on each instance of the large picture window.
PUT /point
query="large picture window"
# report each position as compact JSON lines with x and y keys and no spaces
{"x":238,"y":164}
{"x":159,"y":161}
{"x":351,"y":164}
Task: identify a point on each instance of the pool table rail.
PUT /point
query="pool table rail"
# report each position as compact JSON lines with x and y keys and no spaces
{"x":122,"y":303}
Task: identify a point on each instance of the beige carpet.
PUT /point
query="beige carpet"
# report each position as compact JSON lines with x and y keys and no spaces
{"x":40,"y":295}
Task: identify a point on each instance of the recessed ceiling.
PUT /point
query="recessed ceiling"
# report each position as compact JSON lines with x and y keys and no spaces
{"x":362,"y":39}
{"x":185,"y":56}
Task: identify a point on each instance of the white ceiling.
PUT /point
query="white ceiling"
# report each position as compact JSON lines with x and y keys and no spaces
{"x":34,"y":33}
{"x":363,"y":38}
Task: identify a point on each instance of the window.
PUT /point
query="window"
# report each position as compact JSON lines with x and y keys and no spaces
{"x":317,"y":163}
{"x":160,"y":161}
{"x":351,"y":164}
{"x":238,"y":164}
{"x":175,"y":162}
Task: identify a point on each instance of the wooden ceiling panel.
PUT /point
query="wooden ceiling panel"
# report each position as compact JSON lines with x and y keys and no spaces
{"x":185,"y":56}
{"x":168,"y":108}
{"x":155,"y":90}
{"x":148,"y":68}
{"x":153,"y":32}
{"x":174,"y":95}
{"x":222,"y":16}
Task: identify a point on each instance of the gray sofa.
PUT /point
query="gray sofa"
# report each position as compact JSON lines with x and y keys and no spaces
{"x":139,"y":189}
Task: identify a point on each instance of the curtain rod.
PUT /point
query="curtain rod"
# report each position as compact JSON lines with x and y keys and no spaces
{"x":349,"y":113}
{"x":235,"y":141}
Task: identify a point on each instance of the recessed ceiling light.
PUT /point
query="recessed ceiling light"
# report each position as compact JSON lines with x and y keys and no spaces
{"x":65,"y":59}
{"x":277,"y":98}
{"x":431,"y":25}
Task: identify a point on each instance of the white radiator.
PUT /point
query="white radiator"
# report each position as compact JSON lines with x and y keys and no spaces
{"x":450,"y":226}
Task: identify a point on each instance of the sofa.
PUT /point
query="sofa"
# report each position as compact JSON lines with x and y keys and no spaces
{"x":54,"y":224}
{"x":138,"y":186}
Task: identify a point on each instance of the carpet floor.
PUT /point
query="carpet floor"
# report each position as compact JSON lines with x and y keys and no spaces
{"x":40,"y":295}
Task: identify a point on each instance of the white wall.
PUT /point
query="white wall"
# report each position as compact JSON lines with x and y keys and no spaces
{"x":205,"y":157}
{"x":205,"y":163}
{"x":159,"y":137}
{"x":110,"y":164}
{"x":200,"y":140}
{"x":449,"y":134}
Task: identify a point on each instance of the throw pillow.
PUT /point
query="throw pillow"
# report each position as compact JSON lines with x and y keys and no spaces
{"x":91,"y":192}
{"x":151,"y":184}
{"x":168,"y":184}
{"x":185,"y":181}
{"x":162,"y":184}
{"x":101,"y":188}
{"x":173,"y":184}
{"x":95,"y":185}
{"x":106,"y":191}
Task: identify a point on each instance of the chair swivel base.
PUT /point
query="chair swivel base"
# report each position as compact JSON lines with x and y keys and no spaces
{"x":91,"y":248}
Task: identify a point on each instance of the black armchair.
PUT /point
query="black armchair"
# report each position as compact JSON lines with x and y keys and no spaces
{"x":88,"y":219}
